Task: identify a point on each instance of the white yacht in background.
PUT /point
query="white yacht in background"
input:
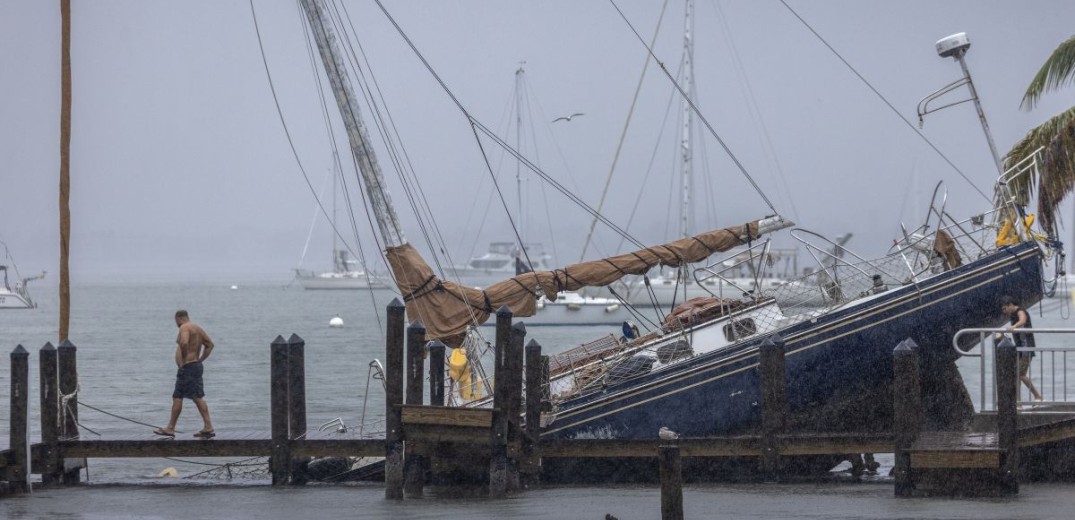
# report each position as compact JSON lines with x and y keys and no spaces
{"x":499,"y":263}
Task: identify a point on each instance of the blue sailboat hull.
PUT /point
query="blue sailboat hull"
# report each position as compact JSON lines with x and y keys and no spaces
{"x":836,"y":365}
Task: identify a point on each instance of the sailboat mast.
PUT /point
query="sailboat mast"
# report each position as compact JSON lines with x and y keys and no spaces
{"x":336,"y":70}
{"x":335,"y":253}
{"x":688,"y":119}
{"x":518,"y":164}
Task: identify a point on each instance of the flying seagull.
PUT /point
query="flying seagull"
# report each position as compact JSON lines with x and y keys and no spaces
{"x":568,"y":118}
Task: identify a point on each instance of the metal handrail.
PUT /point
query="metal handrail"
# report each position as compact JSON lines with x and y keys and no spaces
{"x":985,"y":333}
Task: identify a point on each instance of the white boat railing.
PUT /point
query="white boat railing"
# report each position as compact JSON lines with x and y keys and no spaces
{"x":1048,"y":369}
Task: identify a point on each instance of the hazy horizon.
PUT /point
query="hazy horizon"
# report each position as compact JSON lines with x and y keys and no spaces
{"x":181,"y":170}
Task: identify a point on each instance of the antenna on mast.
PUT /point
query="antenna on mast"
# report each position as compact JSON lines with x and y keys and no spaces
{"x":956,"y":46}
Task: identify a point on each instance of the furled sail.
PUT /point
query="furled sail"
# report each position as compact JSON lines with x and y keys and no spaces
{"x":447,"y":308}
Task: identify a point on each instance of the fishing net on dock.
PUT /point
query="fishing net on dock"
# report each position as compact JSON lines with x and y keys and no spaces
{"x":328,"y":469}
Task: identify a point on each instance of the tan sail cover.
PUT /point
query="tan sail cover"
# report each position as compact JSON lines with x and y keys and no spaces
{"x":446,"y":308}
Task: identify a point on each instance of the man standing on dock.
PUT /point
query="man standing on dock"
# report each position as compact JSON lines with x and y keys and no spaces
{"x":193,"y":347}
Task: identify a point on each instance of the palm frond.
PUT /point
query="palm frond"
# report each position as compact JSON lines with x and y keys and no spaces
{"x":1058,"y":68}
{"x":1057,"y":172}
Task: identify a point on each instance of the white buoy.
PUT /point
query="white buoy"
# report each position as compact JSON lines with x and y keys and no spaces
{"x":336,"y":322}
{"x":235,"y":287}
{"x":168,"y":472}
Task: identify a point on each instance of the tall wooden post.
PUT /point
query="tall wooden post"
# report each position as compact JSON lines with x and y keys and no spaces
{"x":530,"y":466}
{"x":280,"y":461}
{"x":907,"y":412}
{"x":18,"y":474}
{"x":671,"y":469}
{"x":393,"y":382}
{"x":436,"y":373}
{"x":68,"y":385}
{"x":1007,"y":420}
{"x":413,"y":462}
{"x":498,"y":464}
{"x":773,"y":403}
{"x":50,"y":415}
{"x":296,"y":392}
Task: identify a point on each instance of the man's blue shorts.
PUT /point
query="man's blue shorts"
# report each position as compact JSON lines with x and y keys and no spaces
{"x":188,"y":382}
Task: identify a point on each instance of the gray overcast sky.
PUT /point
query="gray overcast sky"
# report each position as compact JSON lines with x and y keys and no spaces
{"x":181,"y":169}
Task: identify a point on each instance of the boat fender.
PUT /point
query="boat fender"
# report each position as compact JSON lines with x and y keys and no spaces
{"x":612,"y":308}
{"x":470,"y":388}
{"x":457,"y":363}
{"x":574,"y":306}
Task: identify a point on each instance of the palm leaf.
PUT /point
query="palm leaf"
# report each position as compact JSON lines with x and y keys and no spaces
{"x":1058,"y":68}
{"x":1057,"y":172}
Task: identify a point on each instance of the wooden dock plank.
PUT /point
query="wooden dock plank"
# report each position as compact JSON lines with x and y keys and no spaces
{"x":1045,"y":433}
{"x":166,"y":448}
{"x":447,"y":416}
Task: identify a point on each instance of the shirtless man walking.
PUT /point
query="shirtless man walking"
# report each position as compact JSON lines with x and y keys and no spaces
{"x":192,"y":347}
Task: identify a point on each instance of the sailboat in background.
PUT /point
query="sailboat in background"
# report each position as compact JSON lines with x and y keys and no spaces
{"x":757,"y":267}
{"x":346,"y":272}
{"x":17,"y":297}
{"x":507,"y":259}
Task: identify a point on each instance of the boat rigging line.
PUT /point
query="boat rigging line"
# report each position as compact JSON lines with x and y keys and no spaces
{"x":322,"y":23}
{"x":477,"y":126}
{"x":695,"y":110}
{"x":886,"y":102}
{"x":623,"y":133}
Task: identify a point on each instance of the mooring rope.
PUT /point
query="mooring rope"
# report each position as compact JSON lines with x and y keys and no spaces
{"x":118,"y":416}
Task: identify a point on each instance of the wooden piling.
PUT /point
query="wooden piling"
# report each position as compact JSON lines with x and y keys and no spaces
{"x":18,"y":473}
{"x":498,"y":464}
{"x":671,"y":469}
{"x":280,"y":460}
{"x":413,"y":463}
{"x":51,"y":470}
{"x":907,"y":413}
{"x":68,"y":385}
{"x":296,"y":398}
{"x":436,"y":373}
{"x":773,"y":403}
{"x":530,"y":462}
{"x":514,"y":402}
{"x":393,"y":381}
{"x":1007,"y":421}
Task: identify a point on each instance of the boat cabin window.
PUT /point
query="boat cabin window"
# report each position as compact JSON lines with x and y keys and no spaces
{"x":740,"y":329}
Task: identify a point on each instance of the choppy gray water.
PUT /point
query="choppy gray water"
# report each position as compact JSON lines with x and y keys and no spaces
{"x":125,"y":336}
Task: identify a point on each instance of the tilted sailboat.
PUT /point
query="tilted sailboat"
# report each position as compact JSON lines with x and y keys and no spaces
{"x":697,"y":373}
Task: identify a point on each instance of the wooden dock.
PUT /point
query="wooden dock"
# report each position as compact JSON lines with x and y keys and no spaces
{"x":501,"y":447}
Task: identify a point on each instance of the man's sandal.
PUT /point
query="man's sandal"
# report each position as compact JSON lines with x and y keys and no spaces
{"x":163,"y":433}
{"x":205,"y":434}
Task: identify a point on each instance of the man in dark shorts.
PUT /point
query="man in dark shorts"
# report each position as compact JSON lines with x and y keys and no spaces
{"x":1020,"y":319}
{"x":193,"y":346}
